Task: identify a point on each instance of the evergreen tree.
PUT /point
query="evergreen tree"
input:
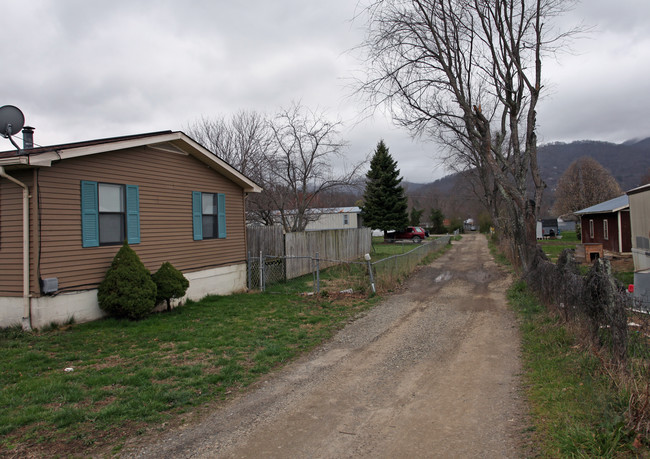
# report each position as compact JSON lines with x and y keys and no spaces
{"x":385,"y":203}
{"x":415,"y":217}
{"x":170,"y":284}
{"x":437,"y":221}
{"x":127,"y":290}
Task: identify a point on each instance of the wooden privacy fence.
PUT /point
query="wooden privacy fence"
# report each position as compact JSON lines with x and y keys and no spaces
{"x":266,"y":239}
{"x":332,"y":246}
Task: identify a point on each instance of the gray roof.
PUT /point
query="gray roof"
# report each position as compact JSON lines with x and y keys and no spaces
{"x":613,"y":205}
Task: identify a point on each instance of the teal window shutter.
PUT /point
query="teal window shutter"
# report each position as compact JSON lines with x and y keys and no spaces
{"x":89,"y":214}
{"x":197,"y":216}
{"x":221,"y":215}
{"x":132,"y":214}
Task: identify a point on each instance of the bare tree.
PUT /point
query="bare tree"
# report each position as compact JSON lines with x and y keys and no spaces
{"x":290,"y":156}
{"x":300,"y":169}
{"x":645,"y":179}
{"x":584,"y":184}
{"x":468,"y":74}
{"x":245,"y":141}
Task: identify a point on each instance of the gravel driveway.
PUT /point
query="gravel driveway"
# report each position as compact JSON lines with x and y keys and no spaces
{"x":431,"y":371}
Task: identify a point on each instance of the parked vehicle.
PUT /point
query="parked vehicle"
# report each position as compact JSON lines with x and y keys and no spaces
{"x":413,"y":233}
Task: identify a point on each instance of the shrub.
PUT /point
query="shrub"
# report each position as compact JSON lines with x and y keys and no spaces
{"x":127,"y":290}
{"x":170,"y":283}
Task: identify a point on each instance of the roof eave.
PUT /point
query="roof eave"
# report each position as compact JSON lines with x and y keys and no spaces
{"x":14,"y":161}
{"x":179,"y":139}
{"x":607,"y":211}
{"x":639,"y":189}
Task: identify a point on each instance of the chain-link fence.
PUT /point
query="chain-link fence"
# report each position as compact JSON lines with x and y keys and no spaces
{"x":607,"y":317}
{"x":265,"y":271}
{"x":392,"y":270}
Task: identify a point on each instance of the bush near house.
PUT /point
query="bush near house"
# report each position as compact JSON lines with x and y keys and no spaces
{"x":170,"y":283}
{"x":127,"y":291}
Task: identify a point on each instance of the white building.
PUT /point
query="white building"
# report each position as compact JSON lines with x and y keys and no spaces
{"x":335,"y":218}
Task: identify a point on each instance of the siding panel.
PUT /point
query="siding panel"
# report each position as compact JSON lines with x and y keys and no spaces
{"x":11,"y":233}
{"x":165,"y":182}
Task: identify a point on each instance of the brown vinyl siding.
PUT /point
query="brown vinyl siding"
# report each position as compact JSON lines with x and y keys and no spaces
{"x":11,"y":233}
{"x":166,"y":182}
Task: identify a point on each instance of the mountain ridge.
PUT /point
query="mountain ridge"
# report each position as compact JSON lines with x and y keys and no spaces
{"x":627,"y":162}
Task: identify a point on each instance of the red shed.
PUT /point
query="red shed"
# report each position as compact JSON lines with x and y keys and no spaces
{"x":608,"y":223}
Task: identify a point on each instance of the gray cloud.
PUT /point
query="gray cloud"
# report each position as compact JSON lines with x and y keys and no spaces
{"x":81,"y":69}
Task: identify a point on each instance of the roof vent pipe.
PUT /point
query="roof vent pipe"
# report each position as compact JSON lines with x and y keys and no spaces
{"x":28,"y":137}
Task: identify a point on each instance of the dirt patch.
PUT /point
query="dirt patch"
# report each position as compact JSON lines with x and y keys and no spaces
{"x":622,"y":264}
{"x":429,"y":372}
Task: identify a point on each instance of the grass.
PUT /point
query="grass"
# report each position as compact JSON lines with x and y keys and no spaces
{"x":576,"y":410}
{"x":125,"y":377}
{"x":381,"y":249}
{"x":388,"y":273}
{"x":553,"y":247}
{"x":76,"y":387}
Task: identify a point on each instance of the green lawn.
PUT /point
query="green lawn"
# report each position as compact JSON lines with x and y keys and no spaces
{"x":86,"y":385}
{"x":381,"y":249}
{"x":553,"y":247}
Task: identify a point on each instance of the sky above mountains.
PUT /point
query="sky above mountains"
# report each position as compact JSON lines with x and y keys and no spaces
{"x":80,"y":70}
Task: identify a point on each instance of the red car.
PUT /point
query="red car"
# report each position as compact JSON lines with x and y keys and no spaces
{"x":414,"y":233}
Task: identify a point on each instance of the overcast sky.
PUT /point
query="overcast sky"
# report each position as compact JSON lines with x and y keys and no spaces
{"x":81,"y":69}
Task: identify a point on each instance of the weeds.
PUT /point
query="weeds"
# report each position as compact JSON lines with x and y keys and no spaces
{"x":586,"y":331}
{"x":577,"y":410}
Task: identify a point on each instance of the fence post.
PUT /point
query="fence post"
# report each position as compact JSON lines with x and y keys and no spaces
{"x":261,"y":272}
{"x":372,"y":279}
{"x":249,"y":275}
{"x":317,"y":273}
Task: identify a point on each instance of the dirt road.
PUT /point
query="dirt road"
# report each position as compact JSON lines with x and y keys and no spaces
{"x":430,"y":372}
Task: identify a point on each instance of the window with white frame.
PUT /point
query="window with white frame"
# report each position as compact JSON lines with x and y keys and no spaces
{"x":605,"y":229}
{"x":346,"y":219}
{"x":591,"y":229}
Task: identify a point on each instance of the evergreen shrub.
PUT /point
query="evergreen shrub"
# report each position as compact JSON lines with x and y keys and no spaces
{"x":127,"y":289}
{"x":170,"y":283}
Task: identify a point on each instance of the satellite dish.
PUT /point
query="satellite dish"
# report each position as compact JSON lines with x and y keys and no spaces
{"x":12,"y":120}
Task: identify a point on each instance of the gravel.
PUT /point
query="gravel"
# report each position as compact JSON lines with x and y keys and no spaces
{"x":431,"y":371}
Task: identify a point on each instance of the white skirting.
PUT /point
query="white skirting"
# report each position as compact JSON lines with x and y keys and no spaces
{"x":82,"y":306}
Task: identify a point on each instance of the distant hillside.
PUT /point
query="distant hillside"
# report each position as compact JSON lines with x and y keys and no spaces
{"x":627,"y":162}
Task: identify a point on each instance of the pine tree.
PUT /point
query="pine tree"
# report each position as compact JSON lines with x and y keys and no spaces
{"x":415,"y":216}
{"x":437,"y":221}
{"x":385,"y":203}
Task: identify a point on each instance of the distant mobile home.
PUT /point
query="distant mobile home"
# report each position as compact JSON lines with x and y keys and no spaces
{"x":66,"y":209}
{"x":640,"y":222}
{"x":335,"y":218}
